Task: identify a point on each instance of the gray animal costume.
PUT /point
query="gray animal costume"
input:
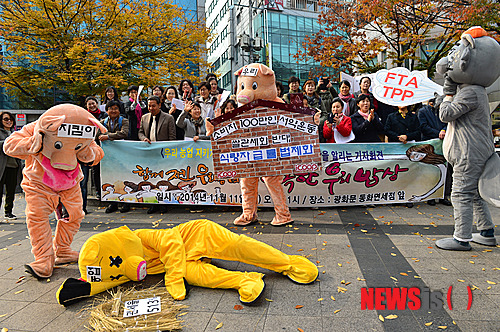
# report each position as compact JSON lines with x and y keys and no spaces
{"x":471,"y":66}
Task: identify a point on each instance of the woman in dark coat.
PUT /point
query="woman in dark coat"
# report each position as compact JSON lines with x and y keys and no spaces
{"x":366,"y":124}
{"x":10,"y":168}
{"x":402,"y":126}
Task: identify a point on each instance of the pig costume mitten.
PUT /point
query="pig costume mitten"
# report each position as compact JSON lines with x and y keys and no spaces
{"x":468,"y":145}
{"x":52,"y":147}
{"x":250,"y":88}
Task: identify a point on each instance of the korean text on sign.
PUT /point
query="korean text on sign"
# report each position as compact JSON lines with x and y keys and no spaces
{"x":142,"y":307}
{"x":76,"y":130}
{"x":242,"y":156}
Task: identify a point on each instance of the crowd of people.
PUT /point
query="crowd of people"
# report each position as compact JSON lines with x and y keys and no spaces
{"x":344,"y":117}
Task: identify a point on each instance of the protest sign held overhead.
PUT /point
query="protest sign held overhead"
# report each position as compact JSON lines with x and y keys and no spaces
{"x":400,"y":87}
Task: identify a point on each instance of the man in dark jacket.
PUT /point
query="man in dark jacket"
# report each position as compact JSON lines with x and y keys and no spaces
{"x":402,"y":126}
{"x":118,"y":128}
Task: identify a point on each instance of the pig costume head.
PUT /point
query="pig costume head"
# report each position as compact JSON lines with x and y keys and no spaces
{"x":256,"y":81}
{"x":56,"y":145}
{"x":474,"y":60}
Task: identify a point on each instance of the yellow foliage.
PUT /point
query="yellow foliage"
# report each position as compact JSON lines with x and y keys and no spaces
{"x":82,"y":46}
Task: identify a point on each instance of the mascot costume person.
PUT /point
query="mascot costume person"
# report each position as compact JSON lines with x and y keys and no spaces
{"x":468,"y":145}
{"x":250,"y":88}
{"x":183,"y":253}
{"x":52,"y":147}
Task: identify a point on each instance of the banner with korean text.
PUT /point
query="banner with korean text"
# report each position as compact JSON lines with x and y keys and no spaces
{"x":181,"y":172}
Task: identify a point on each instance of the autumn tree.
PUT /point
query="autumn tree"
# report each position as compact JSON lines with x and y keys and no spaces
{"x":410,"y":33}
{"x":82,"y":46}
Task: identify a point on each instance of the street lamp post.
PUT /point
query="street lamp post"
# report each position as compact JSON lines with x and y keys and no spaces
{"x":246,"y":42}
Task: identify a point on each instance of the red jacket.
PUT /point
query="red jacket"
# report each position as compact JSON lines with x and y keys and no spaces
{"x":344,"y":128}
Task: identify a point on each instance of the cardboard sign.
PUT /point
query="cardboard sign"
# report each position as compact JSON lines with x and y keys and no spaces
{"x":142,"y":307}
{"x":400,"y":87}
{"x":264,"y":138}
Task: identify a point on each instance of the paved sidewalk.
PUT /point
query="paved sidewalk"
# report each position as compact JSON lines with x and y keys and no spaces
{"x":355,"y":247}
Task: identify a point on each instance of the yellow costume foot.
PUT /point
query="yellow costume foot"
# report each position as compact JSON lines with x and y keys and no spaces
{"x":302,"y":270}
{"x":251,"y":287}
{"x":244,"y":221}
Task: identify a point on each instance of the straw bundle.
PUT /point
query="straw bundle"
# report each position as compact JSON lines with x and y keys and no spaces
{"x":107,"y":314}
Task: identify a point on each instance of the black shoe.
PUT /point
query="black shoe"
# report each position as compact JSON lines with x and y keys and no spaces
{"x":431,"y":202}
{"x":10,"y":216}
{"x":163,"y":209}
{"x":125,"y":208}
{"x":152,"y":209}
{"x":111,"y":208}
{"x":409,"y":205}
{"x":445,"y":202}
{"x":85,"y":211}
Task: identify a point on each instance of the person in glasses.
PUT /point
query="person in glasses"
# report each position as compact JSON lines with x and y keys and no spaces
{"x":10,"y":168}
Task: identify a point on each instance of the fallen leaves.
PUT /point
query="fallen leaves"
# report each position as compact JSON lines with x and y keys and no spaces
{"x":10,"y":269}
{"x":381,"y":318}
{"x":19,"y":292}
{"x":337,"y":311}
{"x":391,"y":316}
{"x":443,"y":268}
{"x":428,"y":324}
{"x":332,"y":298}
{"x":341,"y":289}
{"x":299,"y":306}
{"x":269,"y":300}
{"x":299,"y":329}
{"x":491,"y":282}
{"x":238,"y":307}
{"x":219,"y":325}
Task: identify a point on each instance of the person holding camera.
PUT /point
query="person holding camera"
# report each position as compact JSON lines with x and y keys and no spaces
{"x":337,"y":123}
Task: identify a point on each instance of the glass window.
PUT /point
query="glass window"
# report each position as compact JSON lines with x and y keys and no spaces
{"x":292,"y":20}
{"x":300,"y":24}
{"x":283,"y":21}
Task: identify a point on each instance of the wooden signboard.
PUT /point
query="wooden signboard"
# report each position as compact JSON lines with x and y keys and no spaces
{"x":265,"y":138}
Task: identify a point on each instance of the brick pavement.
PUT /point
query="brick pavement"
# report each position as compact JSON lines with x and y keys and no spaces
{"x":355,"y":247}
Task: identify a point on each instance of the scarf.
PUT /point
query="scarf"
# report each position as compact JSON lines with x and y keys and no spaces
{"x":95,"y":113}
{"x":197,"y":124}
{"x":346,"y":100}
{"x":138,"y":113}
{"x":364,"y":115}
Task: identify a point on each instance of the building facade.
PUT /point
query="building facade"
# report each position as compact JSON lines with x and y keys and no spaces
{"x":264,"y":31}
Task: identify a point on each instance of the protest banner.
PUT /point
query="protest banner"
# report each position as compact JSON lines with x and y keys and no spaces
{"x":400,"y":87}
{"x":182,"y":172}
{"x":265,"y":138}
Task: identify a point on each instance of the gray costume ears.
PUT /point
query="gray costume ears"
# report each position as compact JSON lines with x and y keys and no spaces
{"x":465,"y":58}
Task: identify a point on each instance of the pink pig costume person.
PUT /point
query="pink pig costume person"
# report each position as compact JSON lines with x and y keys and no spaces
{"x":252,"y":87}
{"x":470,"y":67}
{"x":52,"y":146}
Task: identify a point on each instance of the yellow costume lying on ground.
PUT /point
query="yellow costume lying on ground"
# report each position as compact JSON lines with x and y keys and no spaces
{"x":116,"y":256}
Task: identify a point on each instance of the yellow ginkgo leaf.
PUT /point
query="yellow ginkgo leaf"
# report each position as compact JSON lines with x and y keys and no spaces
{"x":219,"y":325}
{"x":443,"y":268}
{"x":391,"y":317}
{"x":336,"y":311}
{"x":491,"y":282}
{"x":320,"y":299}
{"x":332,"y":297}
{"x":269,"y":300}
{"x":428,"y":324}
{"x":443,"y":327}
{"x":381,"y":317}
